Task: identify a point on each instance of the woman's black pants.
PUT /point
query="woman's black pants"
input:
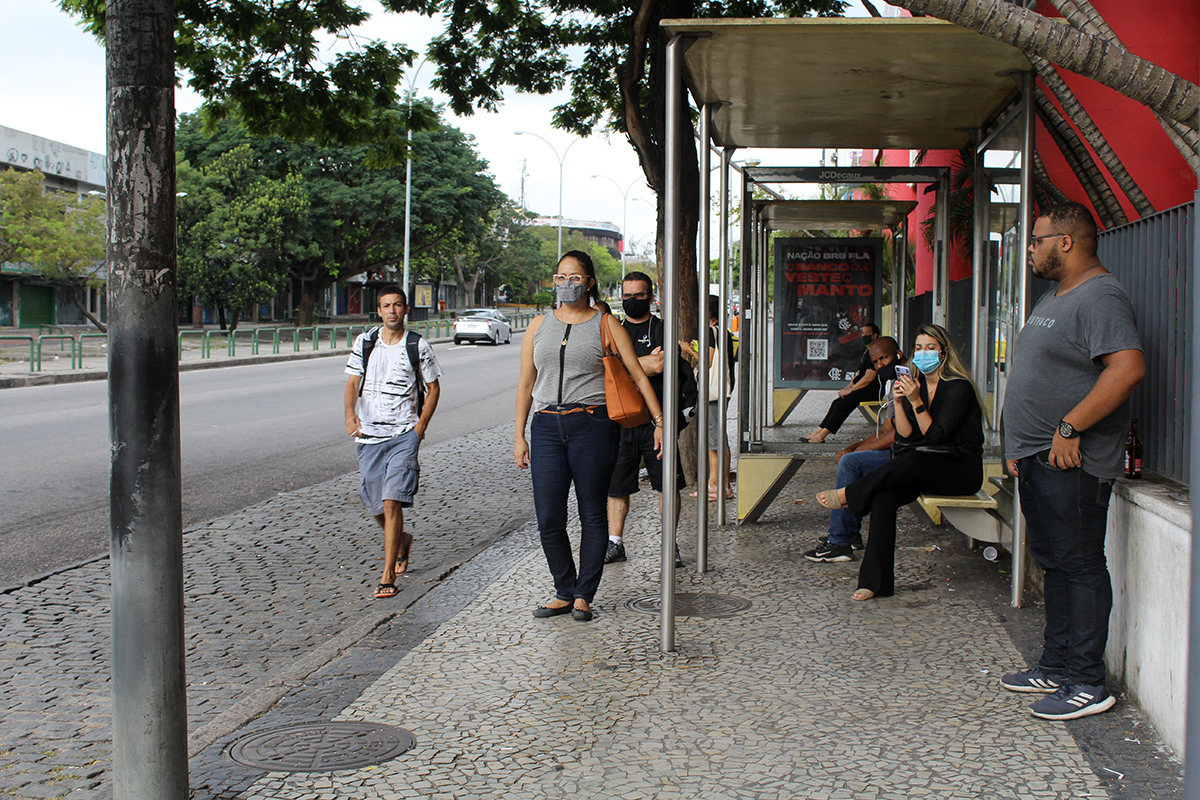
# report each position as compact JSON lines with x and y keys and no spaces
{"x":895,"y":484}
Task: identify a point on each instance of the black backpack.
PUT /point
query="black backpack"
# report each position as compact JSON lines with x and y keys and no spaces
{"x":411,"y":339}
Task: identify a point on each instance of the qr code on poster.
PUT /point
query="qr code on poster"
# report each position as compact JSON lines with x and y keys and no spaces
{"x":818,"y":349}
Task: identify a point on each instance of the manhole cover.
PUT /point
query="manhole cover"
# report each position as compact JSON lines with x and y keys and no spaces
{"x":688,"y":604}
{"x":320,"y":747}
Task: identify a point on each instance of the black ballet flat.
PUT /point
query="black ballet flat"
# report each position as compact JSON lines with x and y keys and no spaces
{"x":541,"y":612}
{"x":580,"y":615}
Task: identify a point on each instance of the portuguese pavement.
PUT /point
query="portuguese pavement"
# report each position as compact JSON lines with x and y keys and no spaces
{"x":804,"y":694}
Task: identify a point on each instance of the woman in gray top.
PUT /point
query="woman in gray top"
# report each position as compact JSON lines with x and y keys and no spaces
{"x":571,"y":439}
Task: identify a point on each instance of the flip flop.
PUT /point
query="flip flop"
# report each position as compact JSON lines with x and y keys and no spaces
{"x":831,"y":500}
{"x":386,"y":590}
{"x":402,"y":561}
{"x":863,"y":594}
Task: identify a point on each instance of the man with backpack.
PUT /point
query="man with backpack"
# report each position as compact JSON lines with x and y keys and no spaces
{"x":390,"y":397}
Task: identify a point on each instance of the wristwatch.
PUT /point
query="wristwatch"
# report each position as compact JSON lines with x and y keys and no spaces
{"x":1067,"y":430}
{"x":919,"y":409}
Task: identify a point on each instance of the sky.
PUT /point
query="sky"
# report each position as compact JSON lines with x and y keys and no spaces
{"x":54,"y":88}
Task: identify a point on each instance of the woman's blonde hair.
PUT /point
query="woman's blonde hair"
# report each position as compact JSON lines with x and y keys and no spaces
{"x":953,"y":368}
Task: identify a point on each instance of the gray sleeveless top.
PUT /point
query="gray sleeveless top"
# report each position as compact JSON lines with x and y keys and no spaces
{"x":583,"y":370}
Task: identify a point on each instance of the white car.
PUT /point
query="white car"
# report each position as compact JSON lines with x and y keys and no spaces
{"x":482,"y":325}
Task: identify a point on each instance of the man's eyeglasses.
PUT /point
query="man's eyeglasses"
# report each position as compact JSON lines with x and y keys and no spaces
{"x":637,"y":296}
{"x":1036,"y":240}
{"x":574,"y":280}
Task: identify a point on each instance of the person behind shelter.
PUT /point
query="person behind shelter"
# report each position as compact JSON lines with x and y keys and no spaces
{"x":715,"y":433}
{"x":1078,"y":358}
{"x":858,"y":459}
{"x":381,"y":403}
{"x":938,"y":449}
{"x":637,"y":444}
{"x":863,"y":388}
{"x":571,"y":437}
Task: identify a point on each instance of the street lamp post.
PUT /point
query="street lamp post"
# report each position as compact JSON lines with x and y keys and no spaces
{"x":561,"y":159}
{"x":624,"y":216}
{"x":408,"y":178}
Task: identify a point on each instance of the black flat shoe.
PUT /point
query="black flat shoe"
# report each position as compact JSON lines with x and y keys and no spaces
{"x":580,"y":615}
{"x":541,"y":612}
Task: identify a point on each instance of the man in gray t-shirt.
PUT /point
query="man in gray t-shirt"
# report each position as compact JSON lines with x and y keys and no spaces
{"x":1075,"y":363}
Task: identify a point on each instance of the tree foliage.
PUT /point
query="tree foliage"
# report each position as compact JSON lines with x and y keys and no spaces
{"x":239,"y":232}
{"x":59,"y":234}
{"x":355,"y":218}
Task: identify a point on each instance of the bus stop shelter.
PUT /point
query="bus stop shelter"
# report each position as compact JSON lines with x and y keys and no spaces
{"x":911,"y":84}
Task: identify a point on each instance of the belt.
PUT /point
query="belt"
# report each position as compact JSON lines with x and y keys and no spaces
{"x":575,"y":410}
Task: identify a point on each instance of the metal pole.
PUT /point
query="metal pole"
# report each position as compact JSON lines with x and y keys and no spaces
{"x":1027,"y":145}
{"x":747,"y":312}
{"x":408,"y":199}
{"x":561,"y":161}
{"x":941,"y":267}
{"x":979,"y":268}
{"x":149,"y":707}
{"x":1192,"y":731}
{"x":671,"y":243}
{"x":761,"y":386}
{"x":721,"y":361}
{"x":902,"y":303}
{"x":702,"y":281}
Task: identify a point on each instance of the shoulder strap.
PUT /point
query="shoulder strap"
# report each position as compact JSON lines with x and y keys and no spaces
{"x":368,"y":345}
{"x":414,"y":358}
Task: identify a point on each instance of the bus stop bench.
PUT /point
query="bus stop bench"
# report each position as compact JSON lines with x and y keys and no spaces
{"x":975,"y":515}
{"x":870,"y":411}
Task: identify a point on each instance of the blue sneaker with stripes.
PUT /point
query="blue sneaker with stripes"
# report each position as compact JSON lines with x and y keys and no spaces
{"x":1073,"y":702}
{"x":1032,"y":680}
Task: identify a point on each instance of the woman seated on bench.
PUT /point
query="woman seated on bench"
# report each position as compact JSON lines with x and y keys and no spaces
{"x":938,"y":449}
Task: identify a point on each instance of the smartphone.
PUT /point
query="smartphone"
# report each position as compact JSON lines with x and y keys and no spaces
{"x":900,"y":370}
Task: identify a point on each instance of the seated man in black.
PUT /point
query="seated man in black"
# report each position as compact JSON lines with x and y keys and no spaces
{"x":863,"y":388}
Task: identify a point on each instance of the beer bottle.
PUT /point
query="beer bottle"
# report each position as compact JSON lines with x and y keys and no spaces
{"x":1133,"y":453}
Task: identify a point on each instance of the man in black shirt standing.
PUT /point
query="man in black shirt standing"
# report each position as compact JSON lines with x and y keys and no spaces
{"x":637,"y":444}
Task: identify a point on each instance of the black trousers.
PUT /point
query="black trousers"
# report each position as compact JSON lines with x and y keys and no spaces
{"x":895,"y":484}
{"x":843,"y":407}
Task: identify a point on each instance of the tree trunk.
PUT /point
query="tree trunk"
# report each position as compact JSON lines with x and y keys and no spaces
{"x":1043,"y":179}
{"x":308,"y":301}
{"x":221,"y":315}
{"x":1102,"y":60}
{"x":1099,"y":192}
{"x":83,"y":310}
{"x":1083,"y":121}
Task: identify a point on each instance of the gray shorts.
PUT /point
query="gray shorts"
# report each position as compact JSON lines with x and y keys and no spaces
{"x":389,"y":471}
{"x":715,"y":434}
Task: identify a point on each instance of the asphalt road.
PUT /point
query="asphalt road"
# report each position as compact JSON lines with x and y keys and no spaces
{"x":247,"y":433}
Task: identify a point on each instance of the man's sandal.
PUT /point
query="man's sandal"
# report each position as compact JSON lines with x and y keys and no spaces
{"x":402,"y":561}
{"x":386,"y":590}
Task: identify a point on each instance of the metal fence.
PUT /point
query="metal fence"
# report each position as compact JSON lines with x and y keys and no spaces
{"x":1152,"y":258}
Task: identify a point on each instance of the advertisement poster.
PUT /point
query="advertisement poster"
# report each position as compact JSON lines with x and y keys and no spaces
{"x":825,"y":291}
{"x":423,"y":295}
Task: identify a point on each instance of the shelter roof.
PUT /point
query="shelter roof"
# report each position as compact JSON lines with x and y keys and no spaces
{"x":842,"y":215}
{"x":902,"y":83}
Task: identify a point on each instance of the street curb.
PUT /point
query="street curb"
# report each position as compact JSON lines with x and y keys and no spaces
{"x":36,"y":579}
{"x":275,"y":687}
{"x":82,"y":375}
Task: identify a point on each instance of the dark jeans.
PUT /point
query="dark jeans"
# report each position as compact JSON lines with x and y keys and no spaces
{"x":843,"y":524}
{"x":579,"y":448}
{"x":895,"y":484}
{"x":842,"y":407}
{"x":1066,"y":514}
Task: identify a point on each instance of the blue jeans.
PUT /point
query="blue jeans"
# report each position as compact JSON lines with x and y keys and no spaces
{"x":1066,"y":514}
{"x":842,"y":523}
{"x":580,"y":448}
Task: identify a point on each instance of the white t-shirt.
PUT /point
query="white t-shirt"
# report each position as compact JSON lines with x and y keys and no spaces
{"x":388,"y":405}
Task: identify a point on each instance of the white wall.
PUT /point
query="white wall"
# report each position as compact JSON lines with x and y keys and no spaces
{"x":1149,"y":556}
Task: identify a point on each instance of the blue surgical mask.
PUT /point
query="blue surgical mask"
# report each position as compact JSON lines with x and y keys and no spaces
{"x":927,"y":360}
{"x":569,"y":292}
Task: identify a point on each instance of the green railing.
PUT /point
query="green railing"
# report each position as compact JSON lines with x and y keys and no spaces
{"x":61,"y":338}
{"x":19,"y":338}
{"x":203,"y":342}
{"x":85,"y":336}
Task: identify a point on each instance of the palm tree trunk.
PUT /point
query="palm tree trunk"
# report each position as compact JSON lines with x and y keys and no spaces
{"x":1084,"y":16}
{"x":1075,"y":111}
{"x":1102,"y":60}
{"x":1102,"y":198}
{"x":1042,"y":177}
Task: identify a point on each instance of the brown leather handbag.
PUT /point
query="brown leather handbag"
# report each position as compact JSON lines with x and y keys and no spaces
{"x":625,"y":403}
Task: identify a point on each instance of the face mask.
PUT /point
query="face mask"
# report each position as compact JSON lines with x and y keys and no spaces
{"x":636,"y":308}
{"x":926,"y":360}
{"x":887,"y":372}
{"x":569,"y":293}
{"x":867,"y":340}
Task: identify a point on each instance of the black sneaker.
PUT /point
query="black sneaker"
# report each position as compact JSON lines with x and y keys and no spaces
{"x":856,"y":541}
{"x":1032,"y":680}
{"x":615,"y":552}
{"x":830,"y":552}
{"x":678,"y":558}
{"x":1073,"y":702}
